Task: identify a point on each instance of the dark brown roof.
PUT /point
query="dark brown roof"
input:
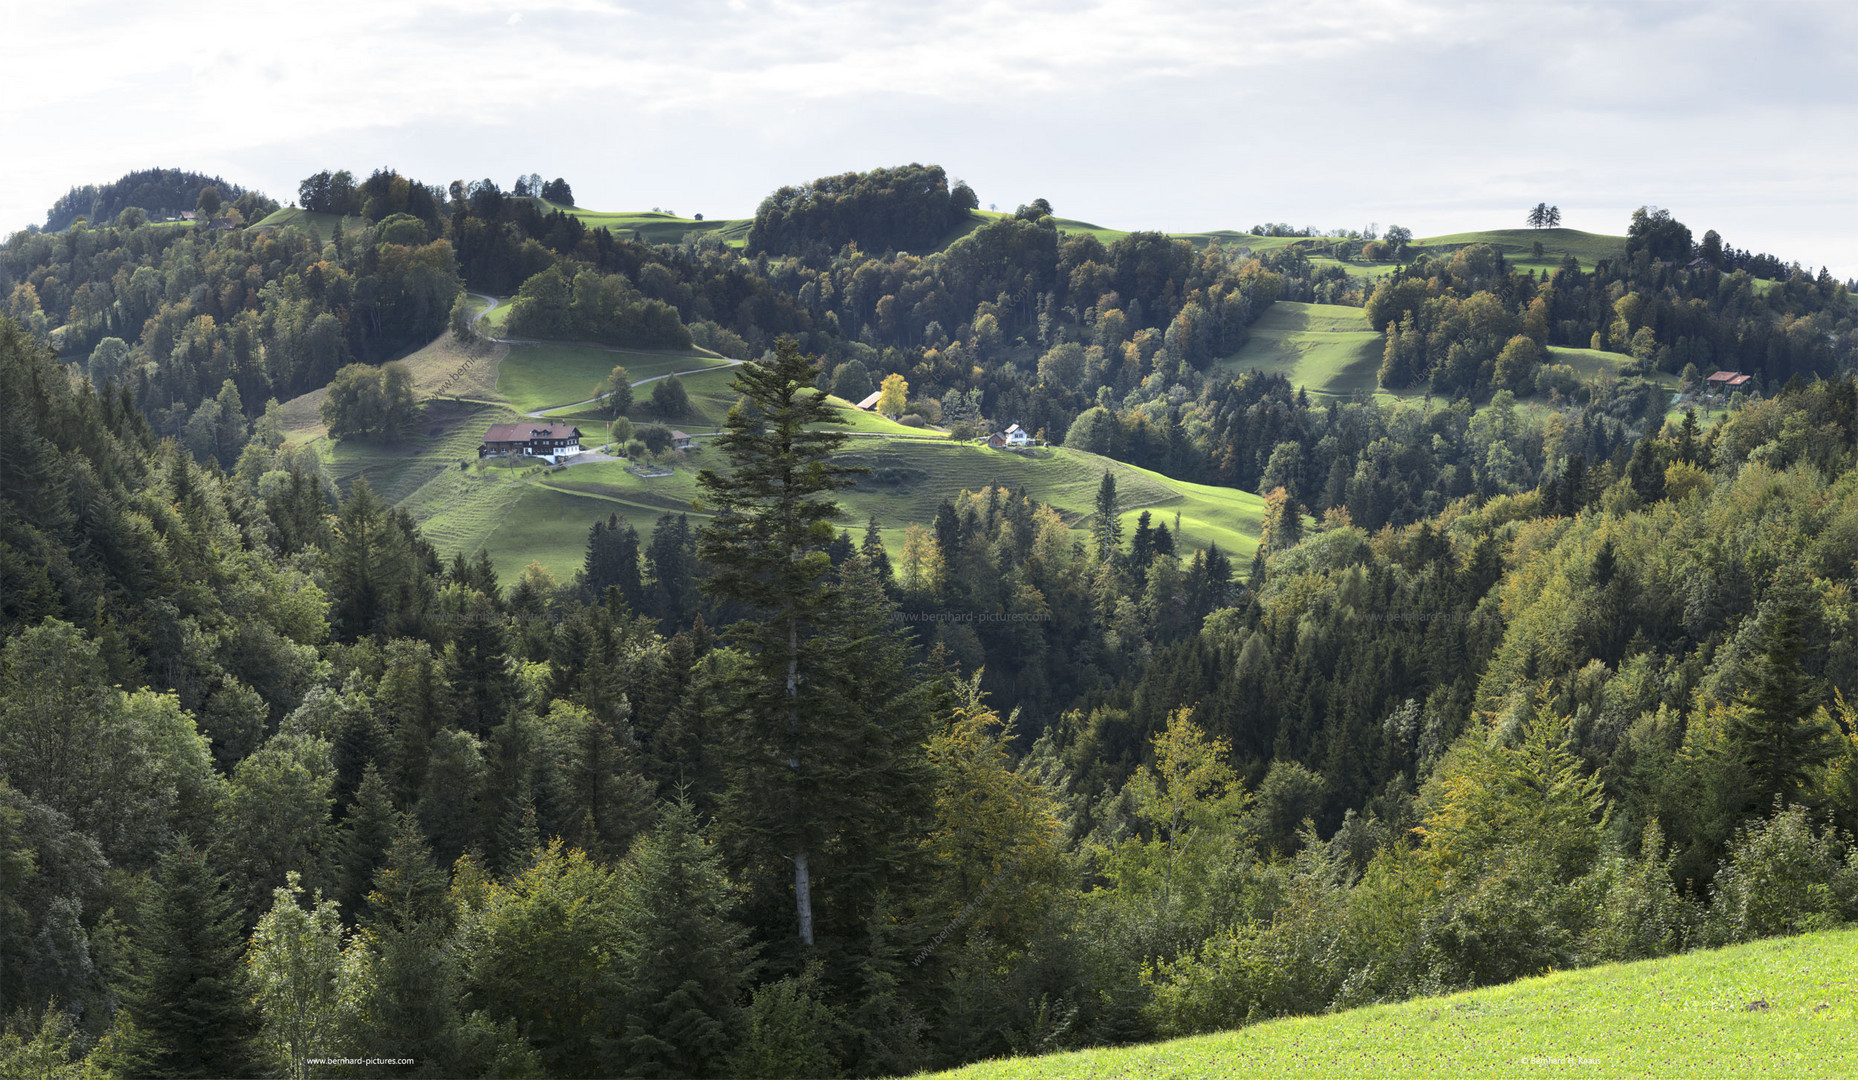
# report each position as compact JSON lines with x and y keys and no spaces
{"x":526,"y":431}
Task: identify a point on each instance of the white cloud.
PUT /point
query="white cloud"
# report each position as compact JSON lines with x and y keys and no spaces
{"x":1440,"y":115}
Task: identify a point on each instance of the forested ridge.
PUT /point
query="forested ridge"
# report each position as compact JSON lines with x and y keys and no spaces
{"x":1503,"y":690}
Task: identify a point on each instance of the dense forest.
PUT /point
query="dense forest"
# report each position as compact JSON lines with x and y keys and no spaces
{"x":1502,"y":691}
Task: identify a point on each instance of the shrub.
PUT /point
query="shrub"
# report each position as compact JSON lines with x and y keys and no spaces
{"x":1782,"y":877}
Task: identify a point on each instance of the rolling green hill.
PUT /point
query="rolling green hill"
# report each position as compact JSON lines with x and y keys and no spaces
{"x":1518,"y":246}
{"x":527,"y":512}
{"x":654,"y":227}
{"x":520,"y":515}
{"x":1327,"y":349}
{"x":322,"y":224}
{"x":534,"y":377}
{"x":1785,"y":1007}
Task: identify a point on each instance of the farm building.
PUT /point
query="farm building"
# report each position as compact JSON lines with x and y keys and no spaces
{"x":1728,"y":380}
{"x":1013,"y":438}
{"x":870,"y":401}
{"x":550,"y":442}
{"x":679,"y":440}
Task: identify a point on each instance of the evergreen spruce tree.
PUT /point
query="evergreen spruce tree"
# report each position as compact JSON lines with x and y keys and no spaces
{"x":873,"y":551}
{"x":1107,"y":526}
{"x":187,"y":1003}
{"x":686,"y":960}
{"x":766,"y":547}
{"x":608,"y":798}
{"x":405,"y":979}
{"x":1775,"y":733}
{"x":478,"y":672}
{"x":367,"y":834}
{"x":1688,"y":442}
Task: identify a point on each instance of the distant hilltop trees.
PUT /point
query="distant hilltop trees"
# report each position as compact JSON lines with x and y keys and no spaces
{"x":159,"y":193}
{"x":908,"y":208}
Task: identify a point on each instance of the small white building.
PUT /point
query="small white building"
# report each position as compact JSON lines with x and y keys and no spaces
{"x":1013,"y":438}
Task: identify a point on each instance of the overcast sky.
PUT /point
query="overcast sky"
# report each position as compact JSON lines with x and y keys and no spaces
{"x":1441,"y":116}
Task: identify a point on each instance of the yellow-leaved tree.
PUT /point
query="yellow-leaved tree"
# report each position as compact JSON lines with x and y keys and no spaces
{"x":1190,"y":801}
{"x":893,"y":394}
{"x":997,"y":846}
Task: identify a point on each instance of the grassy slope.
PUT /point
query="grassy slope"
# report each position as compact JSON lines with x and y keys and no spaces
{"x":535,"y":377}
{"x":1329,"y":350}
{"x":654,"y":227}
{"x":1325,"y":348}
{"x":1682,"y":1016}
{"x":322,"y":224}
{"x":519,"y":516}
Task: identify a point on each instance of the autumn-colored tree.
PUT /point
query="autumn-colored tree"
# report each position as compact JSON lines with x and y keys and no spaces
{"x":892,"y":395}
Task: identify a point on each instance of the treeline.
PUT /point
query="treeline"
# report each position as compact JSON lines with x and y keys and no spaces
{"x":159,"y":193}
{"x":910,"y":206}
{"x":1469,"y":325}
{"x":593,"y":307}
{"x":204,"y":326}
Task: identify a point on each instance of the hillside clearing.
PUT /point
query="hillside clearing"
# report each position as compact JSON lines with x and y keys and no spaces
{"x":1783,"y":1008}
{"x":1325,"y":348}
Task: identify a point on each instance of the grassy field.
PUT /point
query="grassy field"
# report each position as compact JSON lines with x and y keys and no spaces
{"x":535,"y":377}
{"x":1325,"y":348}
{"x":322,"y":224}
{"x":656,"y":228}
{"x":525,"y":514}
{"x":1518,"y":246}
{"x":1781,"y":1008}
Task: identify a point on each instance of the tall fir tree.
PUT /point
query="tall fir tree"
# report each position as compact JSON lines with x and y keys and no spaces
{"x":686,"y":960}
{"x":1107,"y":526}
{"x":187,"y":1004}
{"x":766,"y":546}
{"x":367,"y":834}
{"x":1776,"y":735}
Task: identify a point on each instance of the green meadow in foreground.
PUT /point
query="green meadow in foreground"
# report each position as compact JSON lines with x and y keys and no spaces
{"x":1784,"y":1007}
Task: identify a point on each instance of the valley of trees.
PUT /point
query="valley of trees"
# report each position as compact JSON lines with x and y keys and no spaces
{"x":756,"y":793}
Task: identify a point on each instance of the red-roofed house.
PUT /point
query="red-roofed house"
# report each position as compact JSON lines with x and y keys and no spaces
{"x":550,"y":442}
{"x":1723,"y":377}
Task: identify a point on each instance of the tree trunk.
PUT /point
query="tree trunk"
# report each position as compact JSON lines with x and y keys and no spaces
{"x":803,"y":882}
{"x":803,"y":898}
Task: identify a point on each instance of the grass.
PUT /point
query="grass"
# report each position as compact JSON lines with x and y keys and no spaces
{"x":1325,"y":348}
{"x":657,"y":228}
{"x":1518,"y":246}
{"x":492,"y":322}
{"x":323,"y":225}
{"x":1783,"y":1008}
{"x":524,"y":514}
{"x":403,"y":473}
{"x":536,"y":377}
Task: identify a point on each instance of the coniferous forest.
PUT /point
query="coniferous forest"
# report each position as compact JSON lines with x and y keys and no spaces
{"x":1504,"y":689}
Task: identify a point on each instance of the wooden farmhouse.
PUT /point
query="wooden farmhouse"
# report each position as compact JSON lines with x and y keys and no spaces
{"x":550,"y":442}
{"x":1728,"y":380}
{"x":1013,"y":438}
